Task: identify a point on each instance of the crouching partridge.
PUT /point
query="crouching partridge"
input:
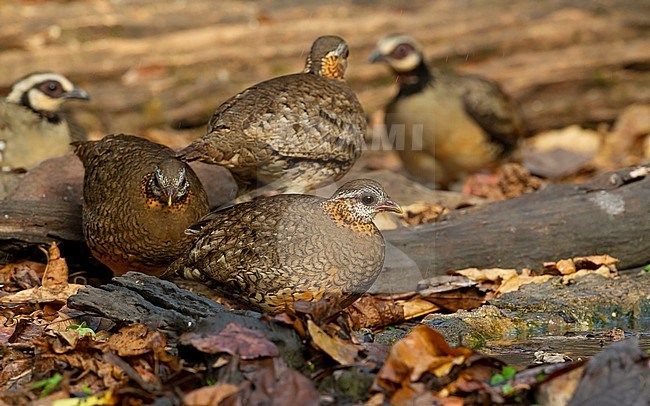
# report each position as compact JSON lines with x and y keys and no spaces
{"x":137,"y":201}
{"x":268,"y":253}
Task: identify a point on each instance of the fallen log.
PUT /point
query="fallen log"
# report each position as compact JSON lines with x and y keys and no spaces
{"x":161,"y":305}
{"x":608,"y":215}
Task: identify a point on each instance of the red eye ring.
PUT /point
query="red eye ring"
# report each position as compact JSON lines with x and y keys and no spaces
{"x":401,"y":51}
{"x":51,"y":88}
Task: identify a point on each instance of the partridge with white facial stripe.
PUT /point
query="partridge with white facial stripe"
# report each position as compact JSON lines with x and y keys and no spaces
{"x":32,"y":127}
{"x":449,"y":125}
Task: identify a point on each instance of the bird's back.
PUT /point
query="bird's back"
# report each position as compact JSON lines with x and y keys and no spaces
{"x":276,"y":125}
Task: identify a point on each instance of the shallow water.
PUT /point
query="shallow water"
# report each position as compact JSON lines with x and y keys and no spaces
{"x":575,"y":346}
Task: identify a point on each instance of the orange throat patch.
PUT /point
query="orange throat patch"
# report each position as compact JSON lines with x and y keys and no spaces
{"x":330,"y":68}
{"x":152,"y":202}
{"x":340,"y":213}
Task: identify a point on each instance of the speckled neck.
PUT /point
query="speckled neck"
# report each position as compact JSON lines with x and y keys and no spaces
{"x":343,"y":215}
{"x":326,"y":67}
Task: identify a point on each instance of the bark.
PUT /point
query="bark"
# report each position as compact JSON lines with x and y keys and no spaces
{"x":608,"y":215}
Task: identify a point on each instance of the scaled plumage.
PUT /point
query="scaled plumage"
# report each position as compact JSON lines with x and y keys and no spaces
{"x":138,"y":200}
{"x":295,"y":132}
{"x":270,"y":252}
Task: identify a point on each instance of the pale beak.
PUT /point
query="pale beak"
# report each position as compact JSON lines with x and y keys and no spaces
{"x":390,"y":205}
{"x":376,"y":56}
{"x":77,"y":93}
{"x":170,"y":192}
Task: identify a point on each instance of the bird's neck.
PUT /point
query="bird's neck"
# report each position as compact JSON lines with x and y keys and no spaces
{"x":343,"y":217}
{"x":51,"y":116}
{"x":414,"y":80}
{"x":327,"y":67}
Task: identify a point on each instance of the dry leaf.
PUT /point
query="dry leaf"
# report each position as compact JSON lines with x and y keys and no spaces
{"x":422,"y":213}
{"x":497,"y":276}
{"x":235,"y":340}
{"x":56,"y":273}
{"x":604,"y":265}
{"x":23,"y":275}
{"x":511,"y":180}
{"x":371,"y":312}
{"x":342,"y":352}
{"x":513,"y":284}
{"x":210,"y":395}
{"x":452,"y":292}
{"x":136,"y":340}
{"x":55,"y":283}
{"x":417,"y":307}
{"x":422,"y":350}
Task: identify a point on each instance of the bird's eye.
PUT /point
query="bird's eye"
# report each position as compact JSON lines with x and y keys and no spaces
{"x":346,"y":53}
{"x":368,"y":200}
{"x":401,"y":51}
{"x":51,"y":88}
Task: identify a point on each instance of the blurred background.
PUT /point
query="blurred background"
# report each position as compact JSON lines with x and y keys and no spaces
{"x":159,"y":68}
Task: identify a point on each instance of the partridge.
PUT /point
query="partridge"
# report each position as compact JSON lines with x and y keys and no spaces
{"x":294,"y":132}
{"x":268,"y":253}
{"x":32,"y":127}
{"x":446,"y":125}
{"x":137,"y":201}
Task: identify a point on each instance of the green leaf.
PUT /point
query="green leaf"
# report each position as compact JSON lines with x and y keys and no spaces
{"x":507,"y":389}
{"x":497,"y":379}
{"x":509,"y":372}
{"x":82,"y":329}
{"x":48,"y":385}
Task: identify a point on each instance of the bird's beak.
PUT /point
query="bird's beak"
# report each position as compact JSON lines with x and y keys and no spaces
{"x":390,"y":205}
{"x":376,"y":56}
{"x":170,"y":192}
{"x":77,"y":93}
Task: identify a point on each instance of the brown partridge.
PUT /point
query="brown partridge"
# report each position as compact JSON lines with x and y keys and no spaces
{"x":138,"y":200}
{"x":294,"y":132}
{"x":270,"y":252}
{"x":446,"y":125}
{"x":32,"y":127}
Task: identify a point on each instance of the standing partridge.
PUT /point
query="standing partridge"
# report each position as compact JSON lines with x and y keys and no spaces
{"x":138,"y":200}
{"x":294,"y":132}
{"x":32,"y":128}
{"x":273,"y":251}
{"x":446,"y":125}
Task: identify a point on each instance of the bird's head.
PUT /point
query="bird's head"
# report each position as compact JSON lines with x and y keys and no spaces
{"x":358,"y":201}
{"x":328,"y":57}
{"x":401,"y":52}
{"x":44,"y":92}
{"x":167,"y":183}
